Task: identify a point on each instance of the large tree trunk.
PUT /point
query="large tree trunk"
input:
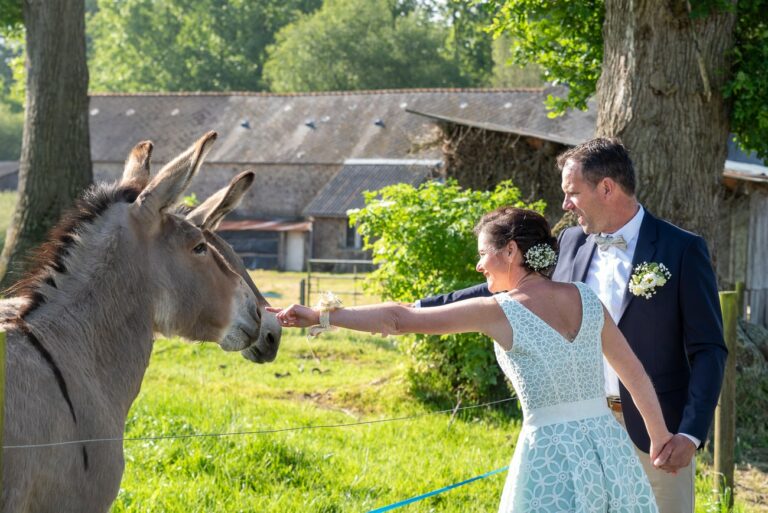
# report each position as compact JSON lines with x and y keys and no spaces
{"x":660,"y":92}
{"x":55,"y":161}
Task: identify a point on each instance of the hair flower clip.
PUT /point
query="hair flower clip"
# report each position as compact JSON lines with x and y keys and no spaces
{"x":540,"y":257}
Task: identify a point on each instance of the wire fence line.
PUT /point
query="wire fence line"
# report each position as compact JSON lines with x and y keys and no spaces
{"x":255,"y":432}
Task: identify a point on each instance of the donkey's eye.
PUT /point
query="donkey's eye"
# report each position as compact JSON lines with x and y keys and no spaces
{"x":201,"y":248}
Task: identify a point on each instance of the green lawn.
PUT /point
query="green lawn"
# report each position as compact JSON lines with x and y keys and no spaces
{"x":199,"y":389}
{"x":7,"y":203}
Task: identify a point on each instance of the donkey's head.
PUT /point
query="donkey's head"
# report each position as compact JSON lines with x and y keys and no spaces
{"x":200,"y":287}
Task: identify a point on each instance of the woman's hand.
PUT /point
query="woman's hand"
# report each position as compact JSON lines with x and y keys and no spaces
{"x":658,"y":444}
{"x":295,"y":316}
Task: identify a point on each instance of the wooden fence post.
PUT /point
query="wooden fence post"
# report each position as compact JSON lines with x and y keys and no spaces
{"x":741,"y":289}
{"x":725,"y":414}
{"x":302,"y":292}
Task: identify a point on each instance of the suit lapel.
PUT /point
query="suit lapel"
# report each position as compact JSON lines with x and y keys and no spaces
{"x":644,"y":251}
{"x":582,"y":259}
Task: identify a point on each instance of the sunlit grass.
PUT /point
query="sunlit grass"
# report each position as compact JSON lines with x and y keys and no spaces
{"x":337,"y":380}
{"x":7,"y":204}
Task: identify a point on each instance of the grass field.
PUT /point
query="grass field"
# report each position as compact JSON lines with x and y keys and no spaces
{"x":338,"y":379}
{"x":7,"y":202}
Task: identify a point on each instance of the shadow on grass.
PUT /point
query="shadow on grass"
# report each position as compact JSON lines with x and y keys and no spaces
{"x":507,"y":406}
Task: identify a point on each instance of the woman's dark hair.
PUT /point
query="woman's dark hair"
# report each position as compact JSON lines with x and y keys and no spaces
{"x":526,"y":227}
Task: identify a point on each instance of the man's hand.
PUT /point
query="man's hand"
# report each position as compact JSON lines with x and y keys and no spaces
{"x":676,"y":454}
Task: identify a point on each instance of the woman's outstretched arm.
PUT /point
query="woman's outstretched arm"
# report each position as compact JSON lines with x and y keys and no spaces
{"x":632,"y":374}
{"x":482,"y":315}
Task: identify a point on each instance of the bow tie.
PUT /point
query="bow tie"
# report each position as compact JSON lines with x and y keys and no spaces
{"x":606,"y":241}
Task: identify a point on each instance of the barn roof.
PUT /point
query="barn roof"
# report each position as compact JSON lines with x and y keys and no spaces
{"x":315,"y":128}
{"x":524,"y":115}
{"x":8,"y":167}
{"x":345,"y":190}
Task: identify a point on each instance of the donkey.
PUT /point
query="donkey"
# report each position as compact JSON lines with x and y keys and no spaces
{"x":125,"y":265}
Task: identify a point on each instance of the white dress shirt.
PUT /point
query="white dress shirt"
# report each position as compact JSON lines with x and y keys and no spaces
{"x":608,"y":276}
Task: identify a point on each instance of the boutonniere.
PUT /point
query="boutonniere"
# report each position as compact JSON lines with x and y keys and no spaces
{"x":647,"y":277}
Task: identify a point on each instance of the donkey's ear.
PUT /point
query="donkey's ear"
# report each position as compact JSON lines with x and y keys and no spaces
{"x":136,"y":170}
{"x":170,"y":183}
{"x":209,"y":213}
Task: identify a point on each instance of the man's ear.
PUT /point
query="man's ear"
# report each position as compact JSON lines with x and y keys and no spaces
{"x":607,"y":186}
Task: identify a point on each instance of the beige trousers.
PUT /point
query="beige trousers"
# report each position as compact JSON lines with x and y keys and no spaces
{"x":674,"y":492}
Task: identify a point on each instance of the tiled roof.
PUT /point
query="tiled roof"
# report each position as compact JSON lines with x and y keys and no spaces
{"x":8,"y":166}
{"x":345,"y":190}
{"x":264,"y":225}
{"x":317,"y":128}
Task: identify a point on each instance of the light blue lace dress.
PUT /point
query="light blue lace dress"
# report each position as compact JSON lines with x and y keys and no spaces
{"x":572,"y":455}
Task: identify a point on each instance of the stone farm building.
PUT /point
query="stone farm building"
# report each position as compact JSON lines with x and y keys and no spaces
{"x":314,"y":154}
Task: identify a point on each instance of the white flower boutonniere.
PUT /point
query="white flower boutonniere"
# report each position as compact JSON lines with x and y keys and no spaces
{"x":647,"y":277}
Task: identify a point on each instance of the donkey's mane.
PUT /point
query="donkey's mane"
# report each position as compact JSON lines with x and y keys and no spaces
{"x":51,"y":254}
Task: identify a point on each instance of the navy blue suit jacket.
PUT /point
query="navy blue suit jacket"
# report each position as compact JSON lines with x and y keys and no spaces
{"x":677,"y":334}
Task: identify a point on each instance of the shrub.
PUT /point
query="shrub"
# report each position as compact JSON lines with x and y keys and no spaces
{"x":423,"y":242}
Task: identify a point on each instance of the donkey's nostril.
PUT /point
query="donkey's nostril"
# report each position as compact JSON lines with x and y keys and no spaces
{"x":271,"y":339}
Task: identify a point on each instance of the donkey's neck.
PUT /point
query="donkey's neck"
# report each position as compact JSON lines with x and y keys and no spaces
{"x":95,"y":317}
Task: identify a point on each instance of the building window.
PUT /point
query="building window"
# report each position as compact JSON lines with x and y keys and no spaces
{"x":354,"y":239}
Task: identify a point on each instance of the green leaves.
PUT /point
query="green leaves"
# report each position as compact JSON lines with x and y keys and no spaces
{"x":183,"y":45}
{"x":564,"y":38}
{"x":363,"y":44}
{"x":423,"y":240}
{"x":10,"y":15}
{"x":749,"y":86}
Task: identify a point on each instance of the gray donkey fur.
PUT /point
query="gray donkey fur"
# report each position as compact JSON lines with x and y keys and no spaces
{"x":80,"y":332}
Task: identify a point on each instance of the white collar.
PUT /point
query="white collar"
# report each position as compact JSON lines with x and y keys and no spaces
{"x":631,"y":230}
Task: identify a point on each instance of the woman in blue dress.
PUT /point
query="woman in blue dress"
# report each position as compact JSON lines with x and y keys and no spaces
{"x":549,"y":338}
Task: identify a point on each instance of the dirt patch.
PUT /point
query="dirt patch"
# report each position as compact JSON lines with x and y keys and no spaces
{"x":752,"y":486}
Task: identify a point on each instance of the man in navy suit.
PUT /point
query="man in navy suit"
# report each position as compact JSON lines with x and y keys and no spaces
{"x":676,"y":332}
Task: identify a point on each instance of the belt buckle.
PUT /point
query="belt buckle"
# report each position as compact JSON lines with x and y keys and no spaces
{"x":614,"y":403}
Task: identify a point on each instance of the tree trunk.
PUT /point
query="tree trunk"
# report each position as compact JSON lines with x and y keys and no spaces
{"x":55,"y":163}
{"x":660,"y":92}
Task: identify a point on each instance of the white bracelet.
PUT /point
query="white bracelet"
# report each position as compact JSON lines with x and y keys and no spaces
{"x":328,"y":303}
{"x":325,"y":319}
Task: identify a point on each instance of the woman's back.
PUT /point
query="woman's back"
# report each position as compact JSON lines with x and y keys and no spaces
{"x":545,"y":366}
{"x":571,"y":455}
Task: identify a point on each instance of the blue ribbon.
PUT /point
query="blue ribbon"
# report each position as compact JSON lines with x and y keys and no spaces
{"x":435,"y":492}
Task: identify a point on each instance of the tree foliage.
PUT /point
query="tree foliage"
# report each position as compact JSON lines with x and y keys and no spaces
{"x":468,"y":40}
{"x":10,"y":14}
{"x":749,"y":85}
{"x":565,"y":39}
{"x":422,"y":238}
{"x":363,"y":44}
{"x":185,"y":45}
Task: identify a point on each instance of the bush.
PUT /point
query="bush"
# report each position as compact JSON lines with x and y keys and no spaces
{"x":423,"y":241}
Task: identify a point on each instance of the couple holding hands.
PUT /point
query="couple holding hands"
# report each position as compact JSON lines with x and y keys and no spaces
{"x":611,"y":336}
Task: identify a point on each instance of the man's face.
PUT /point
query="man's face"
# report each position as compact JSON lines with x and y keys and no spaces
{"x":583,"y":199}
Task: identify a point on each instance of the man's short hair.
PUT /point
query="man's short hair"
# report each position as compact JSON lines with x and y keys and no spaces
{"x":602,"y":157}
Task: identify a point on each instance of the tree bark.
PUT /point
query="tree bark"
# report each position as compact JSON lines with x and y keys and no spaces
{"x":55,"y":163}
{"x":660,"y":92}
